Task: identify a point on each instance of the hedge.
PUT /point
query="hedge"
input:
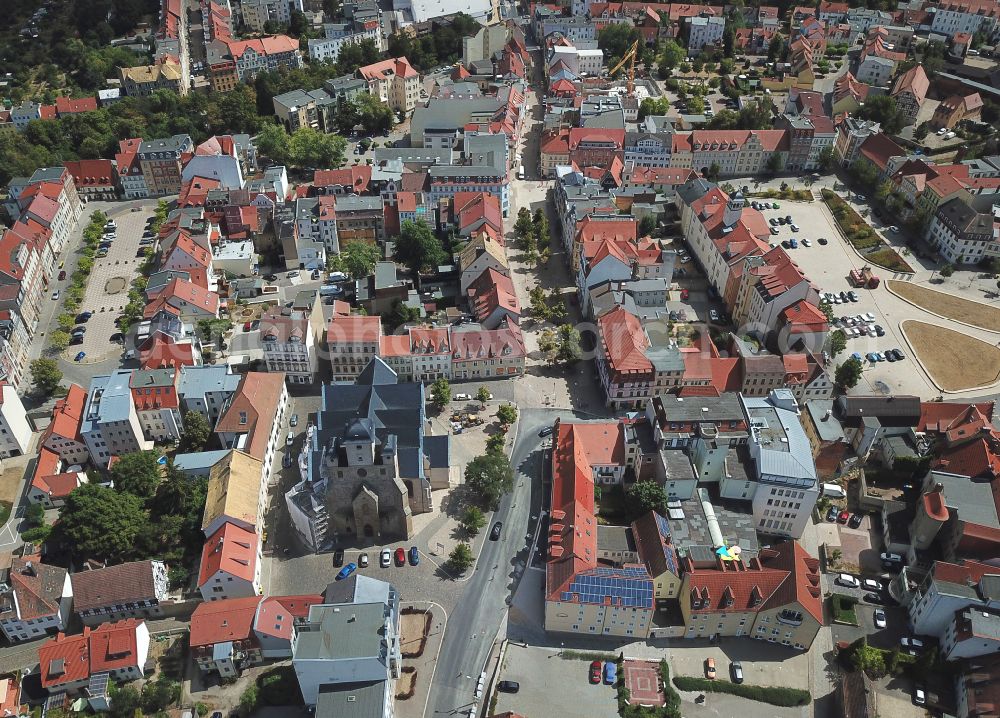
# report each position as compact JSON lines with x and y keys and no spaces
{"x":861,"y":236}
{"x":784,"y":697}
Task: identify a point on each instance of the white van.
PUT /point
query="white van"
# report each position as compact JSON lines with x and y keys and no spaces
{"x":834,"y":490}
{"x":520,"y":172}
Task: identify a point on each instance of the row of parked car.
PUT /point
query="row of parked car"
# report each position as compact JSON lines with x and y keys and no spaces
{"x":386,"y":557}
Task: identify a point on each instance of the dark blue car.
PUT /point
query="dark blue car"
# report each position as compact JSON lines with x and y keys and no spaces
{"x":414,"y":556}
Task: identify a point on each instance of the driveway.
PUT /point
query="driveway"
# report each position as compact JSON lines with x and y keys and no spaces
{"x":107,"y":289}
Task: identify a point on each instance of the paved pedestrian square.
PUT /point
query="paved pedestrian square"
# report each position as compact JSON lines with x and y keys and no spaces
{"x":642,"y":678}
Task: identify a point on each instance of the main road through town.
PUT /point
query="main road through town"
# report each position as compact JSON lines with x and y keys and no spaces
{"x":473,"y":625}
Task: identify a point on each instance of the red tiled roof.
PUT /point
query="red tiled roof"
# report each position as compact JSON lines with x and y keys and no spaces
{"x":624,"y":342}
{"x":878,"y":148}
{"x":109,"y":647}
{"x":380,"y":70}
{"x":66,"y":106}
{"x":229,"y":619}
{"x":491,"y":290}
{"x":352,"y":329}
{"x":232,"y":550}
{"x":67,"y":412}
{"x":504,"y":341}
{"x":941,"y":416}
{"x":271,"y":45}
{"x":805,"y":317}
{"x":37,"y":589}
{"x":276,"y":613}
{"x":92,"y":173}
{"x":356,"y":177}
{"x":977,"y":458}
{"x":257,"y":397}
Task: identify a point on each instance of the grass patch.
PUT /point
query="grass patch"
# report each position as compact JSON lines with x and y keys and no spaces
{"x":843,"y":609}
{"x":861,"y":236}
{"x":784,"y":697}
{"x":955,"y":361}
{"x":947,"y":305}
{"x":799,"y":195}
{"x":5,"y":508}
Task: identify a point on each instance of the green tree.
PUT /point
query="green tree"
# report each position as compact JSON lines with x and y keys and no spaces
{"x":45,"y":375}
{"x":838,"y":342}
{"x":647,"y":225}
{"x":196,"y":433}
{"x":460,"y":559}
{"x":137,"y":473}
{"x":374,"y":115}
{"x":616,"y":39}
{"x":884,"y":110}
{"x":400,"y":314}
{"x":644,"y":496}
{"x":865,"y":173}
{"x":59,"y":340}
{"x":775,"y":164}
{"x":947,"y":270}
{"x":160,"y":694}
{"x":539,"y":307}
{"x":66,"y":321}
{"x":507,"y":414}
{"x":418,"y":248}
{"x":308,"y":147}
{"x":249,"y":700}
{"x":483,"y":395}
{"x":101,"y":523}
{"x":273,"y":142}
{"x":126,"y":702}
{"x":775,"y":47}
{"x":671,"y":55}
{"x":359,"y":258}
{"x":826,"y":158}
{"x":653,"y":106}
{"x":495,"y":443}
{"x":849,"y":373}
{"x":489,"y":477}
{"x":569,"y":344}
{"x":440,"y":393}
{"x":473,"y":520}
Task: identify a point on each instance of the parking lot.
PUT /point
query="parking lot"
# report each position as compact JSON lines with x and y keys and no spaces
{"x":829,"y":267}
{"x":553,"y":686}
{"x":107,"y":289}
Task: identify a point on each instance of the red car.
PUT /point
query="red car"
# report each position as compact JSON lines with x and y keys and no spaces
{"x":595,"y":672}
{"x":843,"y":517}
{"x":685,"y":294}
{"x":400,"y":556}
{"x":246,"y":326}
{"x":62,"y":275}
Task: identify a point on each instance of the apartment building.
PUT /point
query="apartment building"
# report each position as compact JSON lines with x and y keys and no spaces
{"x":963,"y":233}
{"x":137,"y":589}
{"x":62,"y":435}
{"x":965,"y":16}
{"x":256,"y":13}
{"x":252,"y":416}
{"x":703,"y":30}
{"x":117,"y":650}
{"x":395,"y":82}
{"x":154,"y":394}
{"x":352,"y":342}
{"x":206,"y":389}
{"x":910,"y":91}
{"x":316,"y":221}
{"x":346,"y":651}
{"x":774,"y":597}
{"x":161,"y":163}
{"x":230,"y":564}
{"x":35,"y":601}
{"x":768,"y":284}
{"x":144,"y":80}
{"x":289,"y":343}
{"x":133,"y":183}
{"x":15,"y":432}
{"x":302,"y":108}
{"x":110,"y":424}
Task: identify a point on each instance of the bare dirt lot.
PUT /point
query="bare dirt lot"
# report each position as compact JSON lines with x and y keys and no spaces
{"x":947,"y":305}
{"x":955,"y":362}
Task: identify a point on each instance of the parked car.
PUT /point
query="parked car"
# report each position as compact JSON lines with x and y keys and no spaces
{"x":290,"y":439}
{"x":806,"y":243}
{"x":713,"y":315}
{"x":347,"y":571}
{"x":400,"y":556}
{"x":62,"y":275}
{"x":847,"y":580}
{"x":871,"y":584}
{"x":919,"y":696}
{"x":414,"y":556}
{"x":508,"y":686}
{"x":823,"y":240}
{"x":79,"y":357}
{"x":76,"y":339}
{"x":795,"y":227}
{"x":338,"y":557}
{"x":293,"y":274}
{"x":774,"y":231}
{"x":246,"y":326}
{"x":736,"y":671}
{"x":55,"y":296}
{"x":878,"y":617}
{"x":891,"y":557}
{"x":898,"y":354}
{"x":908,"y":642}
{"x":710,"y":669}
{"x":685,"y":294}
{"x":855,"y":520}
{"x":595,"y":672}
{"x":385,"y":558}
{"x":363,"y":560}
{"x":495,"y":531}
{"x":610,"y":673}
{"x":286,"y":460}
{"x":844,"y":516}
{"x":545,"y":431}
{"x":879,"y":331}
{"x":852,"y":295}
{"x":294,"y":421}
{"x":82,"y":317}
{"x":831,"y":513}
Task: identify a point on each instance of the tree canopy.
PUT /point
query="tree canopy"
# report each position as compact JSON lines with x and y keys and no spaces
{"x":136,"y":473}
{"x":489,"y":477}
{"x":418,"y":248}
{"x":441,"y":393}
{"x":98,"y":522}
{"x":196,"y":433}
{"x":358,"y":258}
{"x":45,"y":375}
{"x":645,"y":496}
{"x":849,"y":373}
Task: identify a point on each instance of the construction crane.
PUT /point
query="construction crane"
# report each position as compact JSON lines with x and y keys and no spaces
{"x":629,"y":57}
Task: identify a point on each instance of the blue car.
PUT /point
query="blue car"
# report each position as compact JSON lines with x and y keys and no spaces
{"x":80,"y":356}
{"x":347,"y":571}
{"x":794,"y":243}
{"x":610,"y":673}
{"x":857,"y":356}
{"x":414,"y":556}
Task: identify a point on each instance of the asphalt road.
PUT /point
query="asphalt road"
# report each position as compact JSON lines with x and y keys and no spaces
{"x":474,"y":624}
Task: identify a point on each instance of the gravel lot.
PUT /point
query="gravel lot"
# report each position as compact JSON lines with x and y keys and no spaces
{"x":948,"y":305}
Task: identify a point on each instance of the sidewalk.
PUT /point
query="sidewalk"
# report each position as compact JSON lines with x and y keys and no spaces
{"x":425,"y":664}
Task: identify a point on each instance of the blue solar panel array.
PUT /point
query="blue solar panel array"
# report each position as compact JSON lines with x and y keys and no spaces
{"x":628,"y":587}
{"x":662,"y":525}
